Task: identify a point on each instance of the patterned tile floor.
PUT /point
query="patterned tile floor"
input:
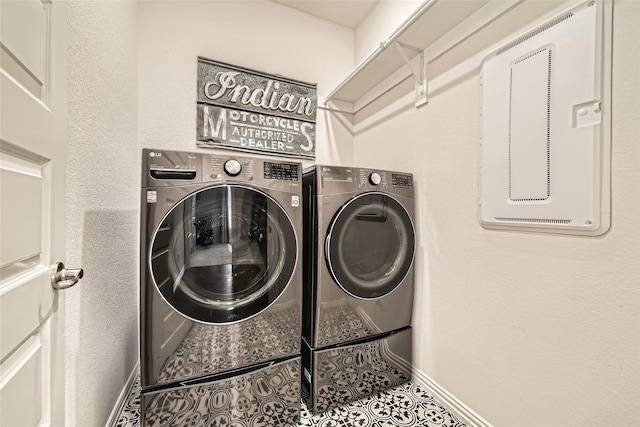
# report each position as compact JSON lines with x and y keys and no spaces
{"x":404,"y":405}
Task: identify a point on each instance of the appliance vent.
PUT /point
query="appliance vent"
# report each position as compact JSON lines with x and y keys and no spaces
{"x":535,"y":220}
{"x":529,"y":127}
{"x":534,"y":33}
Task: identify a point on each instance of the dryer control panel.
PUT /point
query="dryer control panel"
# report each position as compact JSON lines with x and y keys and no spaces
{"x":399,"y":180}
{"x":368,"y":179}
{"x":336,"y":179}
{"x":384,"y":180}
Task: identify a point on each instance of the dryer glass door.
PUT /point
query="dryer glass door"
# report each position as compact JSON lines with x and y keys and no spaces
{"x":223,"y":254}
{"x":370,"y":245}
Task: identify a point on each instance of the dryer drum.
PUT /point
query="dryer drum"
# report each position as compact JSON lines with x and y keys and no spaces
{"x":370,"y":245}
{"x":223,"y":249}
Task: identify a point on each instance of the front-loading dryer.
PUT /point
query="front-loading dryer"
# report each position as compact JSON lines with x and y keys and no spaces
{"x":358,"y":281}
{"x":220,"y":289}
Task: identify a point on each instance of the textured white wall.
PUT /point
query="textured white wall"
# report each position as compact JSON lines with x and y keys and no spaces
{"x":260,"y":35}
{"x":527,"y":330}
{"x":383,"y":20}
{"x":102,"y":208}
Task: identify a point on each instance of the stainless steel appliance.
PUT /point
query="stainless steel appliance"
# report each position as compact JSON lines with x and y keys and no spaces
{"x":358,"y":282}
{"x":220,"y":289}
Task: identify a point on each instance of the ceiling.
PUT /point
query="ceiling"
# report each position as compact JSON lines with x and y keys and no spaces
{"x":348,"y":13}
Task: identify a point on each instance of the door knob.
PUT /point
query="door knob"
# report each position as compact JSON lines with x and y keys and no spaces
{"x":63,"y":278}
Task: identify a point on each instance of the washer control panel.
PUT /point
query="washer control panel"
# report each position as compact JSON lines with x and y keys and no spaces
{"x":252,"y":170}
{"x":221,"y":168}
{"x":282,"y":171}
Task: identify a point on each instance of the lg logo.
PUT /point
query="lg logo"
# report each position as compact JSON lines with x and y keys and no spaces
{"x":155,"y":154}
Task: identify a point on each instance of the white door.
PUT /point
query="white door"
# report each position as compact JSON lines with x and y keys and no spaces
{"x":32,"y":224}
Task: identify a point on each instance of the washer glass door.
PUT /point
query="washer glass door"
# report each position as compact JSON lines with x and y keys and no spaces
{"x":370,"y":245}
{"x":223,"y":254}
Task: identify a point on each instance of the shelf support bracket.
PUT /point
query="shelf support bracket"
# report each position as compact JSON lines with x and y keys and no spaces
{"x":420,"y":75}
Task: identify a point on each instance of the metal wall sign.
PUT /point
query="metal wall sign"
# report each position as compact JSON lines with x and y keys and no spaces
{"x":249,"y":110}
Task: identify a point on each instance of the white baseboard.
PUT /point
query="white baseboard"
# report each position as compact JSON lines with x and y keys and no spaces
{"x":117,"y":409}
{"x":459,"y":409}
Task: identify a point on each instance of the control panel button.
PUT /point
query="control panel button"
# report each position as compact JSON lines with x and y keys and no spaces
{"x":232,"y":167}
{"x":375,"y":178}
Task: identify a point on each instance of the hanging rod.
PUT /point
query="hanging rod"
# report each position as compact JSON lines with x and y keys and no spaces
{"x":422,"y":9}
{"x":465,"y":30}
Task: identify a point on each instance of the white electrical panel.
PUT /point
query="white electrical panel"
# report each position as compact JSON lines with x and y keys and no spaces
{"x":546,"y":127}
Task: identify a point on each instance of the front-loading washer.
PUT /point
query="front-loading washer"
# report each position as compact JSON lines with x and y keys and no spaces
{"x":220,"y":297}
{"x":358,"y":257}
